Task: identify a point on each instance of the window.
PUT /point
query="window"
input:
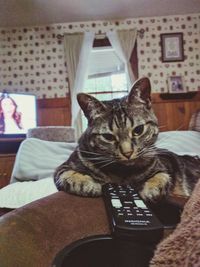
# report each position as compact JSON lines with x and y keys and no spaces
{"x":107,"y":78}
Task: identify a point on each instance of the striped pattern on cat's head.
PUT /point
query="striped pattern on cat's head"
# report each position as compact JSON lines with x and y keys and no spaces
{"x":121,"y":129}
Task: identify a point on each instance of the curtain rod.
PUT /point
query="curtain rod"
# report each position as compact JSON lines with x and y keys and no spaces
{"x":101,"y":35}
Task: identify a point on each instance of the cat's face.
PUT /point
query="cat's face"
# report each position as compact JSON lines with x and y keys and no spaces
{"x":123,"y":129}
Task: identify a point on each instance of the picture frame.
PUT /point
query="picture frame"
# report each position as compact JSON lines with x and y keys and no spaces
{"x":176,"y":85}
{"x":172,"y":47}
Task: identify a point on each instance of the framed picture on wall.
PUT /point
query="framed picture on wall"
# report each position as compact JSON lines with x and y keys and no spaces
{"x":175,"y":84}
{"x":172,"y":47}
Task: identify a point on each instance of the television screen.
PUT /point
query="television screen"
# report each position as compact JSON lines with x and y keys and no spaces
{"x":17,"y":114}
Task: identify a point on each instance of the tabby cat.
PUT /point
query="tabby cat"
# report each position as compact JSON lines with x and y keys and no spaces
{"x":118,"y":146}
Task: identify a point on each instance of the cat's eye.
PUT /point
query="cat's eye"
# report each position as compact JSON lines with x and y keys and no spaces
{"x":109,"y":137}
{"x":138,"y":130}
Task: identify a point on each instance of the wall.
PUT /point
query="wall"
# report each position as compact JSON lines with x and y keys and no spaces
{"x":149,"y":51}
{"x":32,"y":59}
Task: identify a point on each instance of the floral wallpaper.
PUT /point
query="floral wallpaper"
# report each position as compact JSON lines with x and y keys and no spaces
{"x":32,"y":58}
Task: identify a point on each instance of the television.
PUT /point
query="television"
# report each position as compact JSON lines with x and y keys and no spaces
{"x":17,"y":114}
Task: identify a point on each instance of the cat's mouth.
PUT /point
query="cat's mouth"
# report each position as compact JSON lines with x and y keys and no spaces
{"x":128,"y":156}
{"x":135,"y":156}
{"x":127,"y":161}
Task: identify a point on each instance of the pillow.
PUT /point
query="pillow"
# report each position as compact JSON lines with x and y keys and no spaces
{"x":37,"y":159}
{"x":21,"y":193}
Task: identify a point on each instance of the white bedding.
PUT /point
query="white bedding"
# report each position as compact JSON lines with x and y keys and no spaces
{"x":36,"y":161}
{"x":180,"y":142}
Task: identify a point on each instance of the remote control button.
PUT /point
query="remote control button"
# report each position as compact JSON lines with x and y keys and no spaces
{"x":128,"y":202}
{"x":140,"y":204}
{"x":116,"y":203}
{"x":113,"y":194}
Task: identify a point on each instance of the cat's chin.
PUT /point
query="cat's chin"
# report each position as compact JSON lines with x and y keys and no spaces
{"x":133,"y":161}
{"x":127,"y":162}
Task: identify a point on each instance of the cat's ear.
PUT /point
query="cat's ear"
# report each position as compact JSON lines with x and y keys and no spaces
{"x":91,"y":106}
{"x":141,"y":91}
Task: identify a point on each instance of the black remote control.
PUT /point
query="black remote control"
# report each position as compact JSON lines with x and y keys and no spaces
{"x":130,"y":218}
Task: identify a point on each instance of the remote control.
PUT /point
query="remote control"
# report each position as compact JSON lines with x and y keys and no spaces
{"x":129,"y":217}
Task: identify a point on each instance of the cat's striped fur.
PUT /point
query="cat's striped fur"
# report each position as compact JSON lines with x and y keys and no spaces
{"x":118,"y":146}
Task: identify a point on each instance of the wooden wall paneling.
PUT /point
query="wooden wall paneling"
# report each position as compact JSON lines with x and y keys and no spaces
{"x":175,"y":114}
{"x":53,"y":117}
{"x":172,"y":114}
{"x":161,"y":114}
{"x":190,"y":108}
{"x":54,"y":112}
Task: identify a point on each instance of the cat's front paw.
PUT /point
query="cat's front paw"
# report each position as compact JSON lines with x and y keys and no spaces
{"x":156,"y":187}
{"x":80,"y":184}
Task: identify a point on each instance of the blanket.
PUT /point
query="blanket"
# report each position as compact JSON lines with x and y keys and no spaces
{"x":182,"y":247}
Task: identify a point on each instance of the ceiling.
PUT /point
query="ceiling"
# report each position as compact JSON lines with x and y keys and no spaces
{"x":40,"y":12}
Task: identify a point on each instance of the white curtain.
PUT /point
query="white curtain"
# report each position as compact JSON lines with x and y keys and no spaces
{"x":123,"y":41}
{"x":77,"y":50}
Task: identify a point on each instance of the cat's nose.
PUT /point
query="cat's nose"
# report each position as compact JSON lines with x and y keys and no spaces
{"x":127,"y":154}
{"x":126,"y":149}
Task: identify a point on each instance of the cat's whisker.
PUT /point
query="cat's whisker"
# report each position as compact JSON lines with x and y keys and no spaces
{"x":107,"y":164}
{"x":91,"y":158}
{"x":97,"y":158}
{"x":156,"y":149}
{"x":147,"y":149}
{"x":89,"y":152}
{"x":95,"y":153}
{"x":166,"y":146}
{"x":162,"y":151}
{"x":162,"y":126}
{"x":151,"y":150}
{"x":163,"y":140}
{"x":105,"y":161}
{"x":101,"y":161}
{"x":148,"y":153}
{"x":168,"y":137}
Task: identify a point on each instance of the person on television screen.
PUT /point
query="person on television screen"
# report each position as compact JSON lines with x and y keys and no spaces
{"x":10,"y":118}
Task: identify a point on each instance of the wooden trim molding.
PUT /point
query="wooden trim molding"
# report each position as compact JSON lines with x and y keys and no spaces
{"x":166,"y":97}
